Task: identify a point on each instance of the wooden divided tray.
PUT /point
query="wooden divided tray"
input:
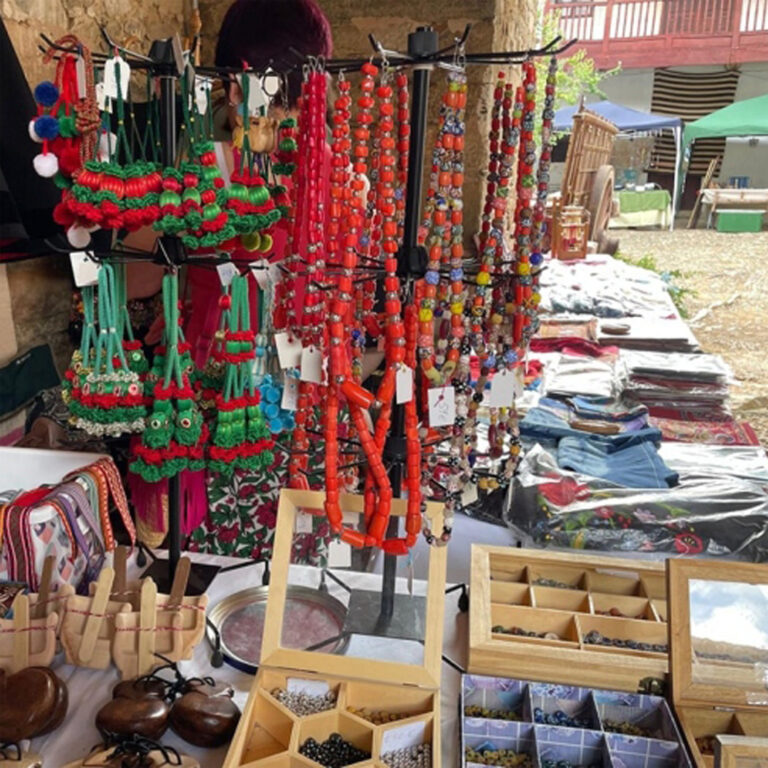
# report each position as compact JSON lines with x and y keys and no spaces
{"x":547,"y":724}
{"x":719,"y":652}
{"x":270,"y":735}
{"x":569,"y":619}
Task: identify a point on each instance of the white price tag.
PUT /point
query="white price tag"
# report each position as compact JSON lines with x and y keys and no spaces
{"x":520,"y":380}
{"x":84,"y":269}
{"x":403,"y":737}
{"x":80,"y":76}
{"x":101,"y":98}
{"x":290,"y":401}
{"x":202,"y":90}
{"x":404,"y":384}
{"x":469,"y":495}
{"x":442,"y":406}
{"x":339,"y":554}
{"x":288,"y":350}
{"x":270,"y":84}
{"x":303,"y":523}
{"x":307,"y":687}
{"x":311,"y":365}
{"x":227,"y":273}
{"x":265,"y":273}
{"x":116,"y":70}
{"x":502,"y":390}
{"x":257,"y":99}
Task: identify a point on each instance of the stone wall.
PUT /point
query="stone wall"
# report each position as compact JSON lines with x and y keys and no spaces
{"x":40,"y":290}
{"x":497,"y":25}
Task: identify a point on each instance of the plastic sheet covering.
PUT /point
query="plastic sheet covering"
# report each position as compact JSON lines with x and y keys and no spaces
{"x":675,"y":365}
{"x":704,"y":515}
{"x":610,"y":288}
{"x":566,"y":376}
{"x":706,"y":461}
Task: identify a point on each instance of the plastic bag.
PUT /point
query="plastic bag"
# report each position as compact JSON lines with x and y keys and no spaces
{"x":704,"y":515}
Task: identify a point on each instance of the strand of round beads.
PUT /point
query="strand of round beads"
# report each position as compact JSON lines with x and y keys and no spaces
{"x":403,"y":146}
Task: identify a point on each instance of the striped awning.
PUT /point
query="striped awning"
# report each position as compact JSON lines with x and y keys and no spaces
{"x":690,"y":96}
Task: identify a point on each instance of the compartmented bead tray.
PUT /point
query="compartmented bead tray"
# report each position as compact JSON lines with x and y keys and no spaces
{"x":569,"y":619}
{"x":310,"y":708}
{"x":281,"y":736}
{"x":525,"y":724}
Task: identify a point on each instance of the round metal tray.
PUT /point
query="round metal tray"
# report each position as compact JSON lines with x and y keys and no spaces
{"x":310,"y":616}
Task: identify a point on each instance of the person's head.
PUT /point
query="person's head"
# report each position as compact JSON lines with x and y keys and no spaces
{"x":262,"y":32}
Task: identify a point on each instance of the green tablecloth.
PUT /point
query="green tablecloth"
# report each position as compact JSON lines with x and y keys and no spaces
{"x":631,"y":201}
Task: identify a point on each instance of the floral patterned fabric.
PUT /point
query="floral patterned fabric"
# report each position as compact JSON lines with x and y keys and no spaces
{"x":242,"y":513}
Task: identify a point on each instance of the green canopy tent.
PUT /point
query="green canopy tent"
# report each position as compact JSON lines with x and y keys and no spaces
{"x":742,"y":118}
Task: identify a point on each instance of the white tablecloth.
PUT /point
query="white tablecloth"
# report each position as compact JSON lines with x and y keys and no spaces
{"x":730,"y":196}
{"x":90,"y":689}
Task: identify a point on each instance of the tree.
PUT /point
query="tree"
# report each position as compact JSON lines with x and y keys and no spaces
{"x":577,"y":74}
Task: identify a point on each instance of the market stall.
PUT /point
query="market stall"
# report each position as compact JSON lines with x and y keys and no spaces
{"x":637,"y":208}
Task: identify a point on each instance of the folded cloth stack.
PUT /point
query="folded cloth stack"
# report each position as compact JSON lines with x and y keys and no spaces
{"x":677,"y":386}
{"x":569,"y":376}
{"x":605,"y":441}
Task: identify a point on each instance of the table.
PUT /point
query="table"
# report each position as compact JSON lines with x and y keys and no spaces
{"x":89,"y":689}
{"x":646,"y":208}
{"x":717,"y":197}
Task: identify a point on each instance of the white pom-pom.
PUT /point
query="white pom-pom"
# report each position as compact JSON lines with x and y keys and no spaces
{"x":78,"y":236}
{"x":46,"y":165}
{"x":105,"y":142}
{"x":33,"y":133}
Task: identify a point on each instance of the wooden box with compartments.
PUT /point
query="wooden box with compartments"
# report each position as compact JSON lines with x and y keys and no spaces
{"x":718,"y":652}
{"x":525,"y":724}
{"x":566,"y":618}
{"x":374,"y":700}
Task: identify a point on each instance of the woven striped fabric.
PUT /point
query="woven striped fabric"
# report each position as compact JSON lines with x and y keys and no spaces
{"x":690,"y":96}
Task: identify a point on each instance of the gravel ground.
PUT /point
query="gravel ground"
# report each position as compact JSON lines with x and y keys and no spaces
{"x":728,"y":306}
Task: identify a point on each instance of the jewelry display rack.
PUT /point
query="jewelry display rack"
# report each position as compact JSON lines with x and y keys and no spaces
{"x":166,"y":61}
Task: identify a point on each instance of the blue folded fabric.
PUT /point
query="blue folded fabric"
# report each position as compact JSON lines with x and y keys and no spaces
{"x":634,"y":464}
{"x":587,"y":408}
{"x":547,"y":427}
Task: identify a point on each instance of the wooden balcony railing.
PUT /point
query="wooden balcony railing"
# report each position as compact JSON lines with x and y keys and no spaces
{"x":663,"y":33}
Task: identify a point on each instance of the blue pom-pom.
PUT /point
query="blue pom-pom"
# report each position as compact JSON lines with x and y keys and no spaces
{"x":46,"y":93}
{"x":47,"y":127}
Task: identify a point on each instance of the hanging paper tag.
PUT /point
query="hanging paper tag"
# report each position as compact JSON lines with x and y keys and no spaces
{"x":442,"y":406}
{"x":307,"y":687}
{"x":80,"y":77}
{"x":403,"y":737}
{"x":257,"y":99}
{"x":270,"y":84}
{"x":339,"y":554}
{"x":469,"y":495}
{"x":290,"y":401}
{"x":84,"y":269}
{"x":303,"y":523}
{"x":227,"y":273}
{"x":404,"y":384}
{"x":102,"y":101}
{"x":288,"y":350}
{"x":265,"y":273}
{"x":202,"y":91}
{"x":502,"y":390}
{"x":311,"y":365}
{"x":519,"y":381}
{"x":116,"y":70}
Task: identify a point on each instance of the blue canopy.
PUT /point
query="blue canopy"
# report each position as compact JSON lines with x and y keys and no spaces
{"x":625,"y":118}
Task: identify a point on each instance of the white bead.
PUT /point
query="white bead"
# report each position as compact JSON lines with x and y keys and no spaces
{"x":78,"y":237}
{"x":46,"y":165}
